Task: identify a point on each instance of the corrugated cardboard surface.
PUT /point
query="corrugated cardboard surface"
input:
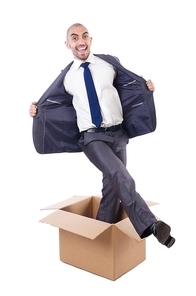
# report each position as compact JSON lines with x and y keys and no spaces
{"x":95,"y":256}
{"x":128,"y":253}
{"x":110,"y":255}
{"x":105,"y":249}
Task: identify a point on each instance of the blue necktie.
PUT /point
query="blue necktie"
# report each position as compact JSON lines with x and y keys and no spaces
{"x":92,"y":96}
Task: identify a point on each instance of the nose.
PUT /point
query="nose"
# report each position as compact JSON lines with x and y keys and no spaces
{"x":81,"y":41}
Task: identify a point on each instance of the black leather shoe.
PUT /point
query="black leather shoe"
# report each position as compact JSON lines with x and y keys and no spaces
{"x":162,"y":232}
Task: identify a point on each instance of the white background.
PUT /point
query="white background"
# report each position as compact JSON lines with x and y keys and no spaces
{"x":155,"y":39}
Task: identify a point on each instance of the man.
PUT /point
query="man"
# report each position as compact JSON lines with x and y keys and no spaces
{"x":125,"y":109}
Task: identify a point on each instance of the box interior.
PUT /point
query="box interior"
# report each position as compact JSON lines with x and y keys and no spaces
{"x":89,"y":207}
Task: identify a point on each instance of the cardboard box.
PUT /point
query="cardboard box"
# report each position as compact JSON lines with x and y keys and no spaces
{"x":108,"y":250}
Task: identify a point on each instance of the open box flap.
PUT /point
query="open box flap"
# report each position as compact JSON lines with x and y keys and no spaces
{"x":127,"y":227}
{"x":66,"y":202}
{"x":75,"y":199}
{"x":77,"y":224}
{"x":151,"y":203}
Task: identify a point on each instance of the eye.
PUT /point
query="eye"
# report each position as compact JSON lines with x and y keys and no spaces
{"x":74,"y":38}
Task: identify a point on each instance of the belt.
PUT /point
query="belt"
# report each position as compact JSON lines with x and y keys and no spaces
{"x":112,"y":128}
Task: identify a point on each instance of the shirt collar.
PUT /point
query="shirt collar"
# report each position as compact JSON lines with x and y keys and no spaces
{"x":90,"y":59}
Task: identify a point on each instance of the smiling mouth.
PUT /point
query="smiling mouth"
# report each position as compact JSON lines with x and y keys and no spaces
{"x":82,"y":49}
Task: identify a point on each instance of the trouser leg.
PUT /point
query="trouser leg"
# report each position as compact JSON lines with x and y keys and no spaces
{"x":110,"y":203}
{"x":103,"y":157}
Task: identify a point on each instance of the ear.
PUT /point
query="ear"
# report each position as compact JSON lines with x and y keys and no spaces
{"x":67,"y":44}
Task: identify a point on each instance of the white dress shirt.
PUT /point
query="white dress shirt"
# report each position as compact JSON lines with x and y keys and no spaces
{"x":103,"y":75}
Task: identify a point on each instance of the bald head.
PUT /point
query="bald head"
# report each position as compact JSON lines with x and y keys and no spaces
{"x":72,"y":27}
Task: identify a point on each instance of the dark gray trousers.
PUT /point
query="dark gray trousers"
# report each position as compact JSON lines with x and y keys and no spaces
{"x":107,"y":151}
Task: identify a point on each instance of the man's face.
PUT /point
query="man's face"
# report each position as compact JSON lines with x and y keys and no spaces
{"x":79,"y":41}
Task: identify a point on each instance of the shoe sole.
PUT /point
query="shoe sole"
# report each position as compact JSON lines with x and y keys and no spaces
{"x":163,"y":234}
{"x":170,"y":241}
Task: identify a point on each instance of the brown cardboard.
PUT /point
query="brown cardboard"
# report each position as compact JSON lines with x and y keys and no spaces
{"x":108,"y":250}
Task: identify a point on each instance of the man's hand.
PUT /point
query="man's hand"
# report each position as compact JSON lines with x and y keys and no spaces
{"x":150,"y":85}
{"x":33,"y":109}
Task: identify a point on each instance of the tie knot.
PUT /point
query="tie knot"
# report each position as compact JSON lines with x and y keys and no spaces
{"x":84,"y":65}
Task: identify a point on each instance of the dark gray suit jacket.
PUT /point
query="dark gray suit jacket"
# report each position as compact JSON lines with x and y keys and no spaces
{"x":55,"y":128}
